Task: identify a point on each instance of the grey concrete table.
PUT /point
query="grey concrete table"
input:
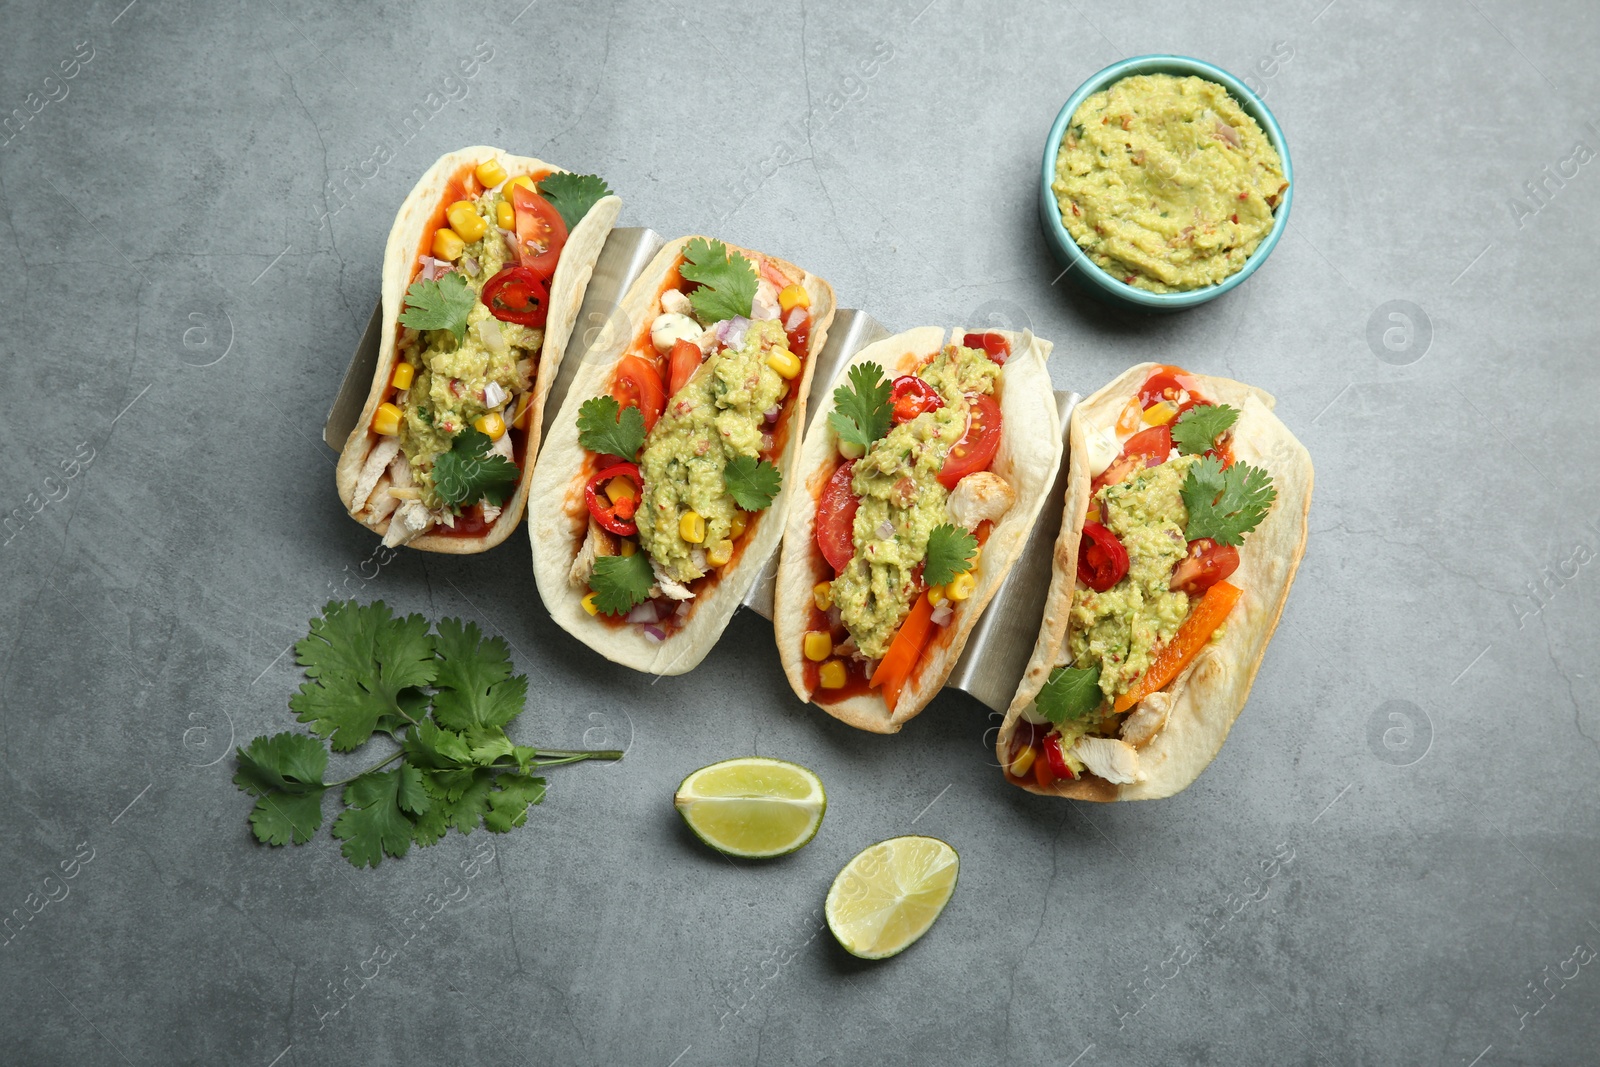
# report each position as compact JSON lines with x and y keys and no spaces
{"x":1392,"y":861}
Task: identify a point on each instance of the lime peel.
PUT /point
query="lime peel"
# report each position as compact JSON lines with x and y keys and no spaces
{"x":752,"y":807}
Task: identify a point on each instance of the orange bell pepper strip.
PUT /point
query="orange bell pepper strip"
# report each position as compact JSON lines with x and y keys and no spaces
{"x":1185,"y":644}
{"x":904,"y":651}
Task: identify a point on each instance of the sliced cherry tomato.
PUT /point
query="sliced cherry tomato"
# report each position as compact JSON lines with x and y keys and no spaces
{"x":518,"y":294}
{"x":1102,"y":561}
{"x":995,"y":344}
{"x":681,"y":365}
{"x":1206,"y":564}
{"x":1057,"y":757}
{"x":836,"y":519}
{"x":1165,"y":383}
{"x":638,"y":383}
{"x":1147,"y":448}
{"x":976,"y":449}
{"x":1041,"y":771}
{"x":614,"y":515}
{"x":911,"y":396}
{"x":541,"y":232}
{"x":799,"y":334}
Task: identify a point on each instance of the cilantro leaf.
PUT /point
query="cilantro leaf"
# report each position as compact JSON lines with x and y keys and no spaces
{"x":430,"y":747}
{"x":751,"y":483}
{"x":950,"y":552}
{"x":861,"y":409}
{"x":289,"y":763}
{"x":508,"y":805}
{"x":439,"y":305}
{"x":727,"y":281}
{"x":620,"y":582}
{"x":460,"y":801}
{"x":279,"y":818}
{"x":362,"y":661}
{"x":1198,"y":428}
{"x":475,"y":683}
{"x":1224,"y":505}
{"x":573,"y":194}
{"x":468,"y":473}
{"x":608,"y":429}
{"x":1070,"y":693}
{"x":373,"y":823}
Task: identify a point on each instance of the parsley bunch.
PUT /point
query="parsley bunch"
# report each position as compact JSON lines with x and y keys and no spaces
{"x":445,"y":696}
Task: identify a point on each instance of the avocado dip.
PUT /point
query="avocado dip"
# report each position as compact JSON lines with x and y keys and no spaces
{"x":1166,"y":183}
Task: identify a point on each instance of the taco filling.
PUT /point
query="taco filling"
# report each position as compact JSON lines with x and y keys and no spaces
{"x":1168,"y":510}
{"x":903,"y":514}
{"x":684,"y":451}
{"x":453,"y":434}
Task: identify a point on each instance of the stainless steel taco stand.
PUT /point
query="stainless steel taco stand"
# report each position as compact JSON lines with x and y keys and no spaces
{"x":997,"y":651}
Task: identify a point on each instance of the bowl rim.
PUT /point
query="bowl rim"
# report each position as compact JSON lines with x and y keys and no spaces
{"x":1157,"y":63}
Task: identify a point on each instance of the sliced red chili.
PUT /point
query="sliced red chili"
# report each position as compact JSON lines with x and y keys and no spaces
{"x":518,"y":294}
{"x":1057,"y":757}
{"x":911,"y":396}
{"x":614,"y":515}
{"x":1102,"y":561}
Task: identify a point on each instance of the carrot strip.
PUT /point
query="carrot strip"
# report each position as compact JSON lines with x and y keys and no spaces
{"x":904,"y":651}
{"x":1185,"y":644}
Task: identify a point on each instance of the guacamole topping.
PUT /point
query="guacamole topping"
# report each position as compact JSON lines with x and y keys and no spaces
{"x":451,"y":385}
{"x":902,"y":501}
{"x":717,"y":415}
{"x":1166,"y":182}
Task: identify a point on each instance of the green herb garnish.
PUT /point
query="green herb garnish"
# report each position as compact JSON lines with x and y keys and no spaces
{"x":469,"y":472}
{"x":608,"y":429}
{"x":727,"y":281}
{"x":950,"y":552}
{"x":621,"y":582}
{"x":751,"y":483}
{"x":1224,"y":505}
{"x":1197,"y":429}
{"x":861,"y":410}
{"x":573,"y":194}
{"x":1069,"y":694}
{"x":440,"y":305}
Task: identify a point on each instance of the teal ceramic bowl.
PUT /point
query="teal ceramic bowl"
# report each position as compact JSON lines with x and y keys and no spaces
{"x":1079,"y":266}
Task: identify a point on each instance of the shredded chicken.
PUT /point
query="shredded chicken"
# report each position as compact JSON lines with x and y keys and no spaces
{"x":765,"y":305}
{"x":1141,"y":727}
{"x":667,"y":586}
{"x":383,"y":502}
{"x":1113,"y":760}
{"x":377,"y":461}
{"x":596,"y":543}
{"x":491,"y":512}
{"x":409,"y":520}
{"x":502,"y":447}
{"x":979,"y":497}
{"x":676,"y":303}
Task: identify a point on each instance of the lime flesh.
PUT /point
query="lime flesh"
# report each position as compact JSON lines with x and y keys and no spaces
{"x":752,"y":807}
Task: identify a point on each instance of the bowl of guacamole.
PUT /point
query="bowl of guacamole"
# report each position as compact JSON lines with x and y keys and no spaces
{"x":1165,"y":183}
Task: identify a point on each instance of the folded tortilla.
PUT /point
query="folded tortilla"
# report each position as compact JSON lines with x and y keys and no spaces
{"x":1210,"y":693}
{"x":409,"y":238}
{"x":1029,"y":453}
{"x":558,"y":519}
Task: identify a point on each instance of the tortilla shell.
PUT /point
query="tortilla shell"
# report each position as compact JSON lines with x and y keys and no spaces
{"x":558,"y":519}
{"x":1211,"y":692}
{"x":1030,"y":451}
{"x":400,"y":268}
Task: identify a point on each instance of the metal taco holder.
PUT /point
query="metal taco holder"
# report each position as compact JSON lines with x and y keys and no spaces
{"x":991,"y":665}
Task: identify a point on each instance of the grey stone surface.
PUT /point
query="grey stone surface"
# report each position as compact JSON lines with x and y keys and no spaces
{"x":181,"y":291}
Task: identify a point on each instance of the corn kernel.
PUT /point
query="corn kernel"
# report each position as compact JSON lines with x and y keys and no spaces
{"x":447,"y":244}
{"x":505,"y":215}
{"x":1023,"y":763}
{"x":692,"y":528}
{"x":618,"y":489}
{"x":936,"y":595}
{"x":491,"y":425}
{"x":465,"y":220}
{"x":386,"y":420}
{"x":977,"y":554}
{"x":404,"y":374}
{"x":832,"y":675}
{"x":818,"y":645}
{"x":629,"y":548}
{"x":522,"y":180}
{"x":720,"y":553}
{"x":590,"y":605}
{"x":961,"y":586}
{"x":794,"y":296}
{"x":490,"y":173}
{"x":524,"y":410}
{"x":737,"y":526}
{"x":822,"y":595}
{"x":1159,"y":414}
{"x":786,"y":363}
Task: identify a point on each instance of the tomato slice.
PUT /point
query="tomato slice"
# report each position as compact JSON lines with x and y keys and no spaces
{"x":911,"y":396}
{"x":836,"y":519}
{"x":976,"y":449}
{"x":1102,"y":561}
{"x":638,"y":383}
{"x":1206,"y":564}
{"x":541,"y":232}
{"x":1057,"y":757}
{"x":1147,"y":448}
{"x":518,"y":294}
{"x":681,"y":365}
{"x":995,"y":344}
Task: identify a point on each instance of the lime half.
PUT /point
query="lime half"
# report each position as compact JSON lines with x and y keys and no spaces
{"x":752,"y":807}
{"x":890,"y":894}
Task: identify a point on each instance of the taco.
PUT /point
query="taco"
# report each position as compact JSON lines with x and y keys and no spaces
{"x":1185,"y":522}
{"x":661,"y":492}
{"x":920,"y":480}
{"x":485,"y":268}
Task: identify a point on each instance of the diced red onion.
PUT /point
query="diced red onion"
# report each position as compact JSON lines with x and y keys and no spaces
{"x":885,"y":529}
{"x":655,"y":633}
{"x":434,"y":269}
{"x":941,"y":614}
{"x":771,"y":414}
{"x":796,"y":315}
{"x":470,"y":265}
{"x":645,"y":613}
{"x":834,"y":618}
{"x":733,"y":337}
{"x":510,"y":238}
{"x":683,"y":608}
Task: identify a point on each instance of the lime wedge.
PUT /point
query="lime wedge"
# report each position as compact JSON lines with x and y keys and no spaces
{"x":752,"y":807}
{"x":890,"y":894}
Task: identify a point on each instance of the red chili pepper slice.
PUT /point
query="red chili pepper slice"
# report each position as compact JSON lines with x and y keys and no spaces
{"x":518,"y":294}
{"x":911,"y":396}
{"x":1102,"y":561}
{"x":1057,"y":758}
{"x":616,"y":516}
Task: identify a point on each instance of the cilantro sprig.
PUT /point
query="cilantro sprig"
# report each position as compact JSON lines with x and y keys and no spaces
{"x":573,"y":194}
{"x":1224,"y":505}
{"x":468,"y":472}
{"x":606,"y":428}
{"x":1069,"y":694}
{"x":752,"y":483}
{"x":445,"y":695}
{"x":861,"y":410}
{"x":727,"y":281}
{"x":1197,"y":429}
{"x":439,"y":305}
{"x":621,"y":582}
{"x":950,"y":552}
